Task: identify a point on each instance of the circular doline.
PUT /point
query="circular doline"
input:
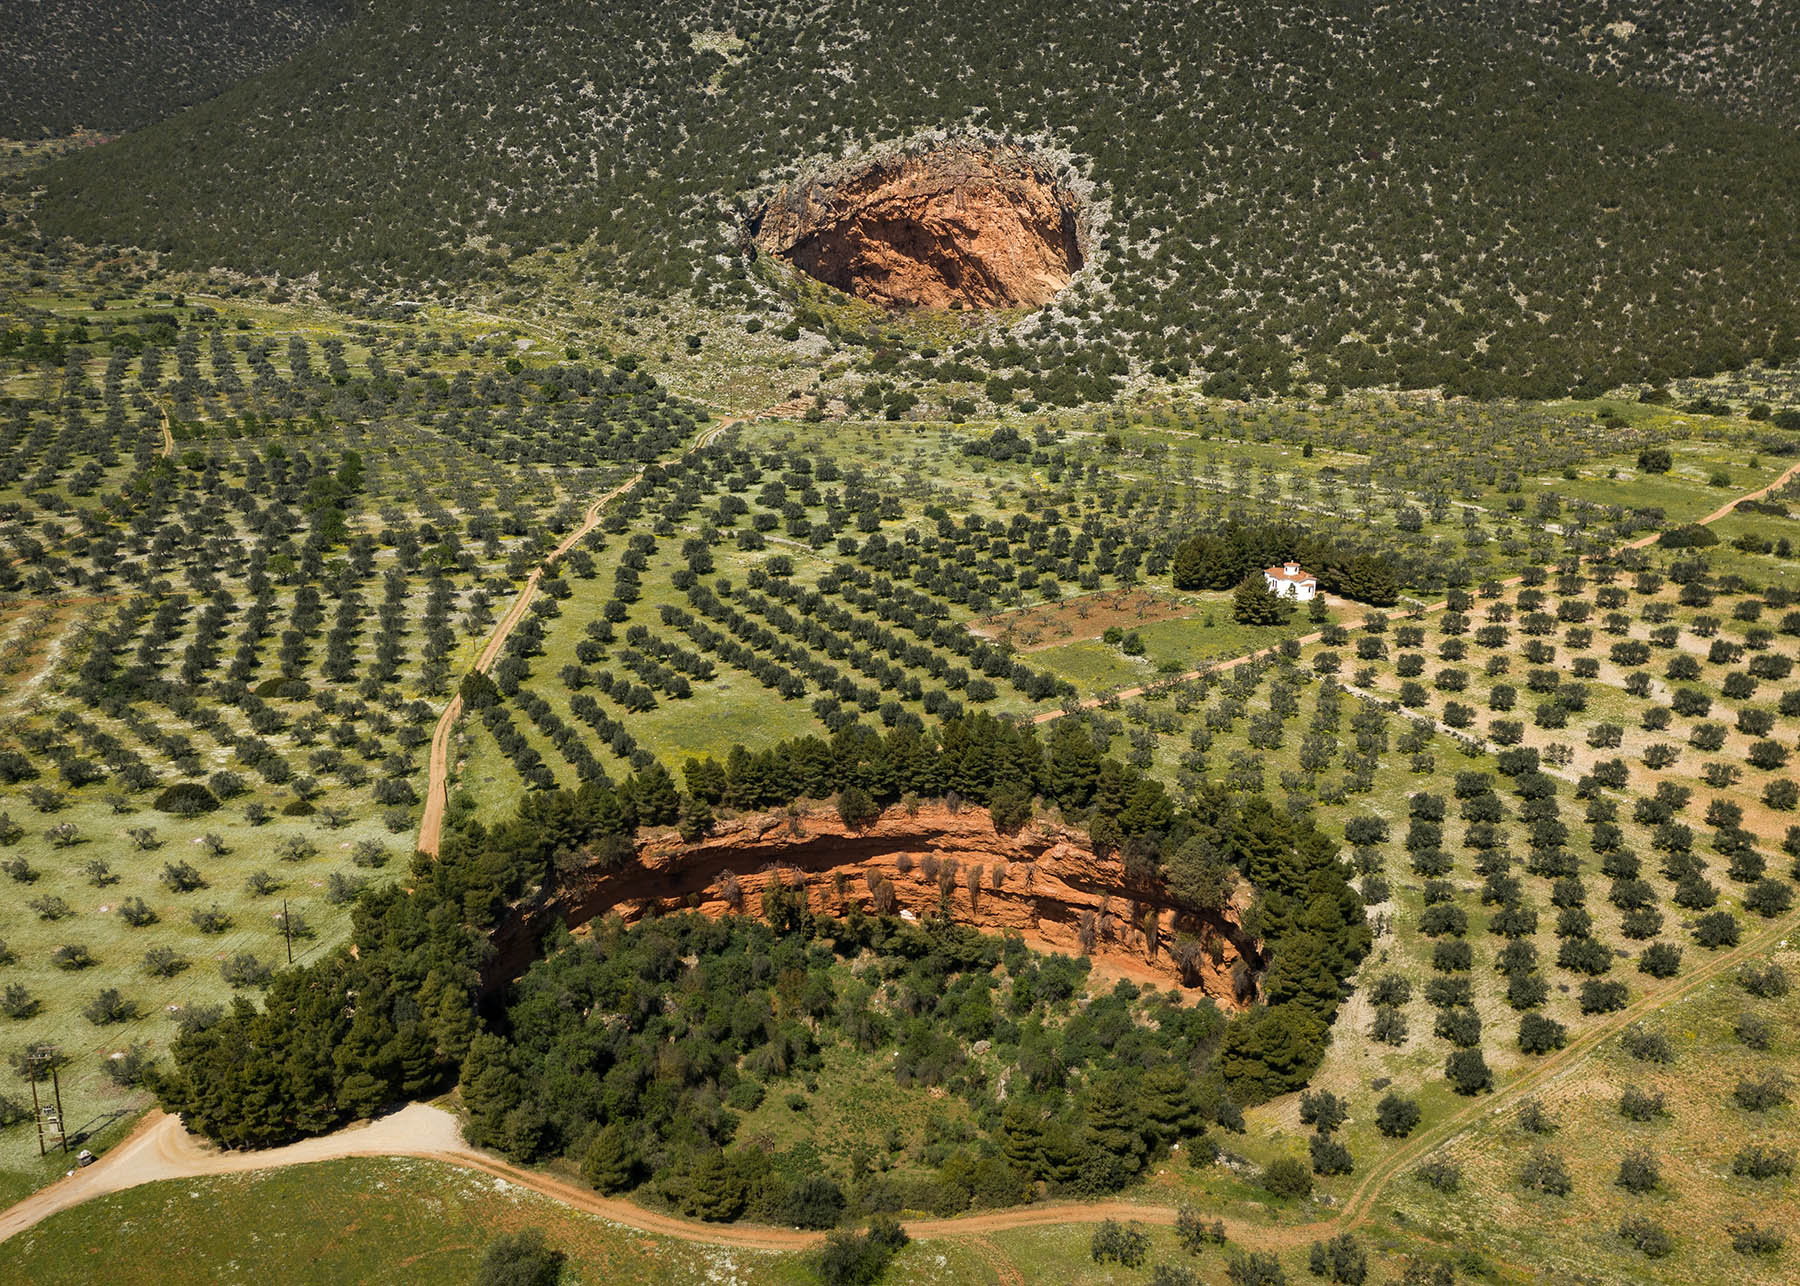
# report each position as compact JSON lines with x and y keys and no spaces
{"x":957,"y":225}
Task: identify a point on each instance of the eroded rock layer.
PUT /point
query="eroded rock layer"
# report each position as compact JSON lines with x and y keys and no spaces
{"x":1044,"y":883}
{"x":959,"y":225}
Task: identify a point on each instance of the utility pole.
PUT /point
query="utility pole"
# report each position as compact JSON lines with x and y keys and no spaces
{"x":37,"y":1108}
{"x":46,"y":1113}
{"x":287,"y":930}
{"x":62,"y":1132}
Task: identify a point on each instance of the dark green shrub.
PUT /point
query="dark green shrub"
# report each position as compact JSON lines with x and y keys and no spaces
{"x":1545,"y":1171}
{"x":1541,"y":1035}
{"x":1126,"y":1244}
{"x":186,"y":799}
{"x":1287,"y":1178}
{"x":1647,"y":1236}
{"x":1444,"y":1176}
{"x":1468,"y":1072}
{"x":520,"y":1259}
{"x":1638,"y":1172}
{"x":1396,"y":1115}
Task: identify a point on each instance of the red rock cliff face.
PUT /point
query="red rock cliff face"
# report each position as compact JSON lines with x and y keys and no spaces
{"x":957,"y":225}
{"x":1042,"y":883}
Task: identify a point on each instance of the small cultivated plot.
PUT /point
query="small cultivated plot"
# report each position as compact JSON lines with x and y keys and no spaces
{"x":1089,"y":616}
{"x":1148,"y":653}
{"x":1676,"y":1144}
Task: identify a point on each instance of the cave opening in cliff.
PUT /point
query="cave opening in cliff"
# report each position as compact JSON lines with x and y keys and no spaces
{"x":956,"y":226}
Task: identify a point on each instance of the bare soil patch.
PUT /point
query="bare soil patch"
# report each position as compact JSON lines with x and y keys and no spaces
{"x":956,"y":226}
{"x":1074,"y":620}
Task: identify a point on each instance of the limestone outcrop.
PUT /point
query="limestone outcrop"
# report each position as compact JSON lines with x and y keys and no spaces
{"x":980,"y":227}
{"x":1043,"y":882}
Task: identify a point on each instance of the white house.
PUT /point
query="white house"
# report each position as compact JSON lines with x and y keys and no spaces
{"x":1289,"y":581}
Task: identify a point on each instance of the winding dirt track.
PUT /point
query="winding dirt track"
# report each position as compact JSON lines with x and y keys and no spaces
{"x":159,"y":1148}
{"x":437,"y":789}
{"x":1730,"y":505}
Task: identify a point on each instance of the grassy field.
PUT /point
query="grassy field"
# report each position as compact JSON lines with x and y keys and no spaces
{"x":389,"y":1221}
{"x":1487,"y":489}
{"x":1699,"y":1199}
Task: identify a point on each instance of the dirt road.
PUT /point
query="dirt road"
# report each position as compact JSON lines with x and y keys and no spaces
{"x":1729,"y":505}
{"x":159,"y":1148}
{"x":437,"y":787}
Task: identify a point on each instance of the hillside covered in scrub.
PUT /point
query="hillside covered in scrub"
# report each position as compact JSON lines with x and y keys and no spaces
{"x":1741,"y":56}
{"x":111,"y":66}
{"x":1280,"y":194}
{"x":838,"y":643}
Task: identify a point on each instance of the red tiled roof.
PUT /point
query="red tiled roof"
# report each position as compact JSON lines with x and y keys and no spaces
{"x":1281,"y":573}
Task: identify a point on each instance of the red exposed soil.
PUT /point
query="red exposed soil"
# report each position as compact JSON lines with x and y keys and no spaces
{"x":1073,"y":620}
{"x":959,"y":225}
{"x":1038,"y":883}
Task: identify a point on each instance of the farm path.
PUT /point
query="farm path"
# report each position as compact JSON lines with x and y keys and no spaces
{"x":1760,"y":493}
{"x":437,"y":790}
{"x":159,"y":1148}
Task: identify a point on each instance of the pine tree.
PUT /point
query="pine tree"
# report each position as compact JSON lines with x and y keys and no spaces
{"x":706,"y":779}
{"x":713,"y":1189}
{"x":1022,"y":1138}
{"x":362,"y":1094}
{"x":1064,"y":1153}
{"x":1201,"y":563}
{"x":653,"y":791}
{"x":1271,"y":1051}
{"x":612,"y":1162}
{"x":1255,"y":603}
{"x":696,"y":821}
{"x":1199,"y":875}
{"x":1368,"y":578}
{"x":419,"y":1066}
{"x":490,"y":1088}
{"x":1114,"y":1127}
{"x":1073,"y":763}
{"x":452,"y":1016}
{"x":1166,"y":1102}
